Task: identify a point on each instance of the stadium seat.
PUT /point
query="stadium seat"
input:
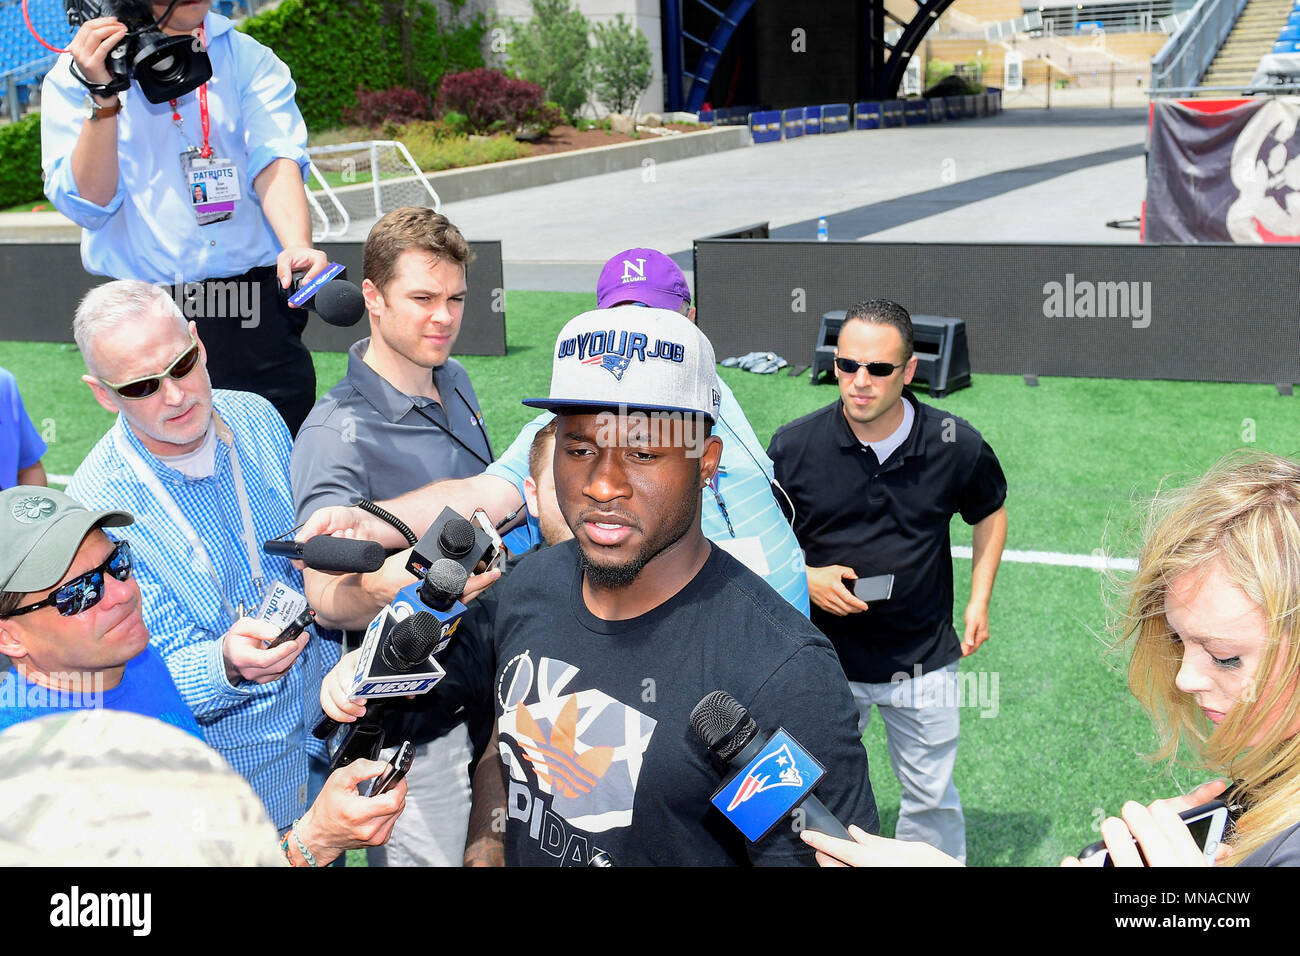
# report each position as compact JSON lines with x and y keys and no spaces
{"x":1289,"y":33}
{"x":20,"y":54}
{"x":1280,"y":47}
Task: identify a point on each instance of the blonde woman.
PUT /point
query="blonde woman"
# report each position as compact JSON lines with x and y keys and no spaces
{"x":1211,"y":625}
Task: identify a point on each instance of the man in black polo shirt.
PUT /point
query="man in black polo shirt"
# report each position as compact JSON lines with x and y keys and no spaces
{"x":875,"y":479}
{"x":405,"y":413}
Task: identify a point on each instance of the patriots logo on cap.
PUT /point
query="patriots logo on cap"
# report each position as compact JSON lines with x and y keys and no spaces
{"x":612,"y":362}
{"x":779,"y":764}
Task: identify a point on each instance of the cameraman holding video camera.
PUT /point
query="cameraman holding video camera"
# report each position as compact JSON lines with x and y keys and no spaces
{"x":123,"y":163}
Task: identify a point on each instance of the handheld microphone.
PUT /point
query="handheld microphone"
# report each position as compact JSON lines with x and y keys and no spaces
{"x":437,"y":594}
{"x":773,"y":773}
{"x":330,"y":295}
{"x":325,"y":552}
{"x":397,"y":653}
{"x":339,"y":303}
{"x":396,"y":661}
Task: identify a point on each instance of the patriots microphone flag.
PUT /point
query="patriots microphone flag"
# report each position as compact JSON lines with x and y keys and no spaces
{"x":773,"y":775}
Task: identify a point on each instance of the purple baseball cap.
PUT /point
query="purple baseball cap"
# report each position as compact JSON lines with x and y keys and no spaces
{"x":646,"y":276}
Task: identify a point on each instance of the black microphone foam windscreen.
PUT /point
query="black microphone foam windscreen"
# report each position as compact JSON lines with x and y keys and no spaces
{"x":340,"y":303}
{"x":327,"y":553}
{"x":457,"y":536}
{"x":445,"y":582}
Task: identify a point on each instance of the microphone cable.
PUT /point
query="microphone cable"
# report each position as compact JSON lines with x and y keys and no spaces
{"x":365,"y":504}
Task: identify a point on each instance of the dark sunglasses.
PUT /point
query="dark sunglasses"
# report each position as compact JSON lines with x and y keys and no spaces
{"x":185,"y":363}
{"x":84,"y":591}
{"x":874,"y":369}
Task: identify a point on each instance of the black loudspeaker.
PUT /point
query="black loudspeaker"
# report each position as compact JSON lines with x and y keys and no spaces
{"x":824,"y":351}
{"x":943,"y":359}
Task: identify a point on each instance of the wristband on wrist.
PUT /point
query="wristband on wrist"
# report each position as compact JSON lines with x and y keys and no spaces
{"x":284,"y":848}
{"x":302,"y":847}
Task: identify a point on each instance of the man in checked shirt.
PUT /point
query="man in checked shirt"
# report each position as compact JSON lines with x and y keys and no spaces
{"x":206,"y":474}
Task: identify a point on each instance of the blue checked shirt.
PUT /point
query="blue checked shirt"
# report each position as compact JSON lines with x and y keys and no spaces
{"x":263,"y":730}
{"x":762,"y":539}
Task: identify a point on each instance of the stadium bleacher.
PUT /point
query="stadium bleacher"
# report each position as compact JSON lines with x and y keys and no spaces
{"x":21,"y":57}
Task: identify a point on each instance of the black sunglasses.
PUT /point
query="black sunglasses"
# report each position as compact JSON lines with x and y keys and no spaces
{"x":874,"y":369}
{"x":84,"y":591}
{"x":185,"y":363}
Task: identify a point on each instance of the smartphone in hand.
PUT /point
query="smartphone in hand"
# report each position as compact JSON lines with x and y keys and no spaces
{"x":1206,"y":823}
{"x":395,"y":771}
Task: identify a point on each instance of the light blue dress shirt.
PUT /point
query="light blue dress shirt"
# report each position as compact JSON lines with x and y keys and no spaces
{"x":148,"y":229}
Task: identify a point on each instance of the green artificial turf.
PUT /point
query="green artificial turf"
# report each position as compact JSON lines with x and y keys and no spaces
{"x":1080,"y":455}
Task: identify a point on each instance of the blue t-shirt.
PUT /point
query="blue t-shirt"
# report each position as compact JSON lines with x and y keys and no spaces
{"x":20,"y":444}
{"x":146,"y":688}
{"x":762,"y":540}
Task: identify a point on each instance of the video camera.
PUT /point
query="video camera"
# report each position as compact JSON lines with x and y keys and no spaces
{"x":166,"y":67}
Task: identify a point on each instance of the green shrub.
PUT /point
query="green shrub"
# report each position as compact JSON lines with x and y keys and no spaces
{"x":20,"y":161}
{"x":936,"y":70}
{"x":332,"y":47}
{"x":434,"y":146}
{"x":553,"y":50}
{"x":456,"y":122}
{"x":620,"y":64}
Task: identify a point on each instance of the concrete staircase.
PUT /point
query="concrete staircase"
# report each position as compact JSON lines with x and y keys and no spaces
{"x":1252,"y":36}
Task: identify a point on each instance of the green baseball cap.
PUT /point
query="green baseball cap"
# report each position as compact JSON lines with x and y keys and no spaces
{"x":42,"y":529}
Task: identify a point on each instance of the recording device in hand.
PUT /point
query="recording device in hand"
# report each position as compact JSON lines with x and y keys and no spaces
{"x":773,"y":774}
{"x":1206,"y":823}
{"x":166,"y":67}
{"x":473,"y":544}
{"x":294,"y":628}
{"x":325,"y":552}
{"x":395,"y":771}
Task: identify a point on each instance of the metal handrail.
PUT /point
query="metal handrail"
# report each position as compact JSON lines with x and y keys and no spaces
{"x":1188,"y":53}
{"x":1243,"y":89}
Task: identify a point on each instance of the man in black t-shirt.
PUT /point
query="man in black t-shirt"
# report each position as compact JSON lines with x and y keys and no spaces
{"x":607,"y":642}
{"x":874,"y":480}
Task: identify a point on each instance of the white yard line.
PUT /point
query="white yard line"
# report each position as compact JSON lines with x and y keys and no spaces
{"x":1097,"y":561}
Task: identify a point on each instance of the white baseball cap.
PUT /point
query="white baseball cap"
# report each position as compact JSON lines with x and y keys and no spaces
{"x":634,"y":357}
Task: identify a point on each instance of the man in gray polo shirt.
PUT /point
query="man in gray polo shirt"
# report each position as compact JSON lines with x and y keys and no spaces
{"x":404,"y":413}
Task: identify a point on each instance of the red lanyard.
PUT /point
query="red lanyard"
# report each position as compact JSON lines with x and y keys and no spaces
{"x":204,"y":120}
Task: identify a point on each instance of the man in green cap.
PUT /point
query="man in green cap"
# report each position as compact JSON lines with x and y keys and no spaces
{"x":73,"y":637}
{"x":70,"y":622}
